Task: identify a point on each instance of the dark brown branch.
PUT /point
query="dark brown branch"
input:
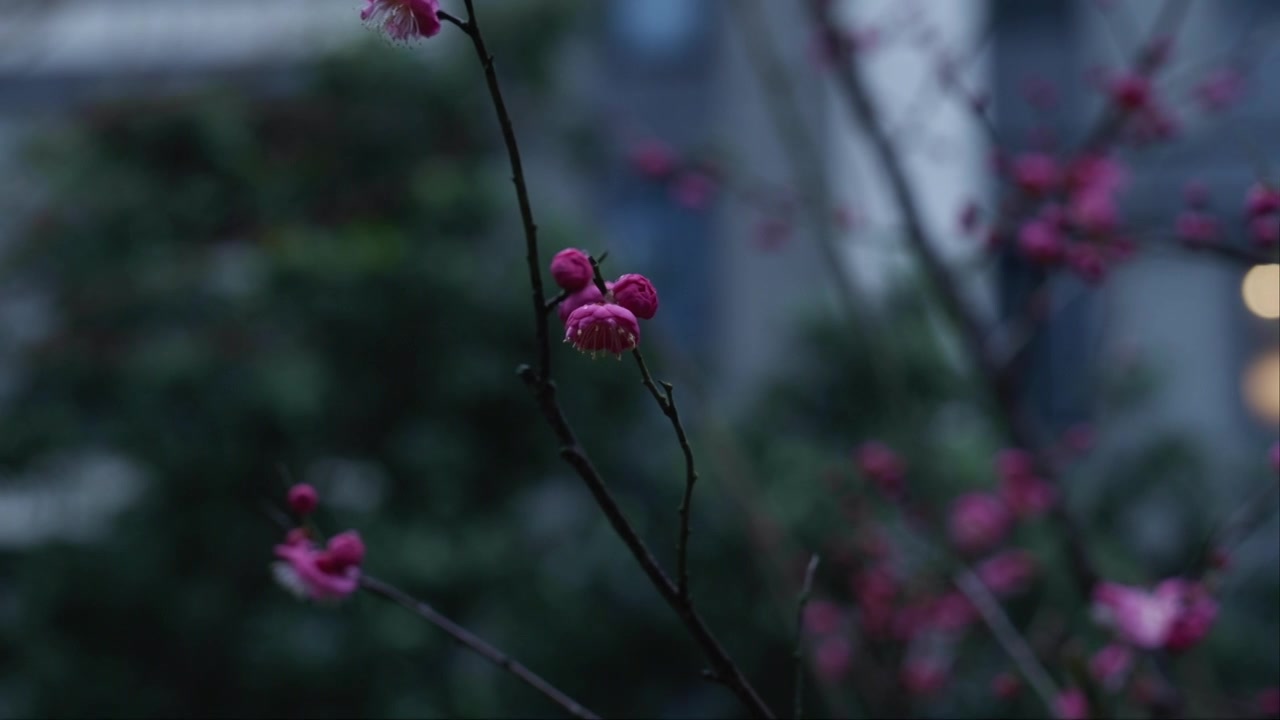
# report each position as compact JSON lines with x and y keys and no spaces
{"x":472,"y":31}
{"x":667,"y":403}
{"x":544,"y":391}
{"x":469,"y":640}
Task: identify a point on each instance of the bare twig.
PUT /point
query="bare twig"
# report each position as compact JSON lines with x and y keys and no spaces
{"x":539,"y":381}
{"x":797,"y":656}
{"x":1015,"y":646}
{"x":469,"y":640}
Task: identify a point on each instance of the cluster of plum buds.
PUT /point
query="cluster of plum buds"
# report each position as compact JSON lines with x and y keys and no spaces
{"x":1077,"y":220}
{"x":1262,"y":207}
{"x":601,"y":322}
{"x":1175,"y":616}
{"x":324,"y":574}
{"x":692,"y":185}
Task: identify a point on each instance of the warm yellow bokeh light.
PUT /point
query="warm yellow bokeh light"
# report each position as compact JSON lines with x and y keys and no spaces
{"x":1261,"y":291}
{"x":1261,"y":387}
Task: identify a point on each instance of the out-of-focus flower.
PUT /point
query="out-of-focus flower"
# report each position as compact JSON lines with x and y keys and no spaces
{"x":652,"y":158}
{"x":1008,"y":572}
{"x":1110,"y":665}
{"x":1176,"y":616}
{"x":303,"y":499}
{"x":1275,"y":457}
{"x":1219,"y":89}
{"x":1041,"y":242}
{"x":589,"y":294}
{"x":1262,"y":200}
{"x":403,"y":19}
{"x":634,"y":292}
{"x":1268,"y":702}
{"x":571,"y":269}
{"x":693,"y":189}
{"x":1088,"y":262}
{"x":1197,"y":228}
{"x":951,"y":612}
{"x":1264,"y":230}
{"x":1036,"y":173}
{"x":1027,"y":495}
{"x":923,"y":676}
{"x":978,"y":521}
{"x":1071,"y":705}
{"x":832,"y":658}
{"x":822,"y":617}
{"x":882,"y":466}
{"x":602,"y":328}
{"x":1130,"y":91}
{"x":320,"y":574}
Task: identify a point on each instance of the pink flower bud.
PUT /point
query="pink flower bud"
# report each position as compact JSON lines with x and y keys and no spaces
{"x":571,"y":269}
{"x":978,"y":521}
{"x":403,"y":20}
{"x":1197,"y":229}
{"x":652,"y":158}
{"x":1197,"y":612}
{"x":923,"y":676}
{"x":1219,"y":89}
{"x":1035,"y":173}
{"x":832,"y":658}
{"x":1009,"y":572}
{"x":1264,"y":230}
{"x":587,"y":295}
{"x":1071,"y":705}
{"x":1262,"y":200}
{"x":1040,"y":242}
{"x":1130,"y":91}
{"x":346,"y":549}
{"x":635,"y":293}
{"x":602,"y":327}
{"x":693,"y":189}
{"x":303,"y":499}
{"x":1110,"y":665}
{"x":882,"y":466}
{"x":822,"y":617}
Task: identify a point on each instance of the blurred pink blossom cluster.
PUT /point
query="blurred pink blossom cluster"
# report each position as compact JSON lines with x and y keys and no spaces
{"x":595,"y":321}
{"x":327,"y":573}
{"x":1175,"y":616}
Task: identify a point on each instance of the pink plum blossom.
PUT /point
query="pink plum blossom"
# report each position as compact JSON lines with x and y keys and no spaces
{"x":1262,"y":200}
{"x":571,"y":269}
{"x":1008,"y":572}
{"x":602,"y":328}
{"x":1176,"y":616}
{"x":635,"y":293}
{"x":1197,"y":229}
{"x":923,"y":676}
{"x":832,"y":658}
{"x":882,"y":466}
{"x":403,"y":19}
{"x":693,"y":189}
{"x":652,"y":158}
{"x":1041,"y":242}
{"x":822,"y":617}
{"x":1219,"y":89}
{"x":1036,"y":173}
{"x":1071,"y":705}
{"x":1110,"y":665}
{"x":320,"y":574}
{"x":303,"y":499}
{"x":1130,"y":91}
{"x":978,"y":521}
{"x":587,"y":295}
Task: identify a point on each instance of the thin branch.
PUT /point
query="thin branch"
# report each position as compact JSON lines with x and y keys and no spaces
{"x":472,"y":30}
{"x":543,"y":388}
{"x":797,"y":656}
{"x":553,"y":303}
{"x":1007,"y":635}
{"x":667,"y":403}
{"x":469,"y":640}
